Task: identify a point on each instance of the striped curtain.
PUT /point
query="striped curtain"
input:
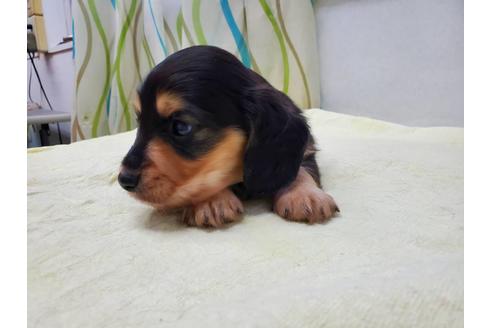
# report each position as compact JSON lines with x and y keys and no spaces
{"x":118,"y":41}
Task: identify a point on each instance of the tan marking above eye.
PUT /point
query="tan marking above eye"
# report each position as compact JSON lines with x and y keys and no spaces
{"x":168,"y":103}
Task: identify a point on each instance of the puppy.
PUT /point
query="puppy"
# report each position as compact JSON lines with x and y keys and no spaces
{"x":212,"y":132}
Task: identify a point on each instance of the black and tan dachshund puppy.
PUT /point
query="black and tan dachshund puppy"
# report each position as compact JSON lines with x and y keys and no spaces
{"x":212,"y":132}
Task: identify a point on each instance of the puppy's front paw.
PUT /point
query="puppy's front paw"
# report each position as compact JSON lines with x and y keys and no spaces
{"x":307,"y":204}
{"x":221,"y":209}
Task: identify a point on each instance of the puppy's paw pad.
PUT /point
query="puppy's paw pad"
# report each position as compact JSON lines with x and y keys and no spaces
{"x":310,"y":205}
{"x":216,"y":212}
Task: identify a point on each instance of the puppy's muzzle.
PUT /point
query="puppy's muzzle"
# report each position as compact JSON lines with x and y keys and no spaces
{"x":128,"y":180}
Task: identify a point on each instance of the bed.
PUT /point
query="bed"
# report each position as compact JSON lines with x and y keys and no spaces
{"x":393,"y":257}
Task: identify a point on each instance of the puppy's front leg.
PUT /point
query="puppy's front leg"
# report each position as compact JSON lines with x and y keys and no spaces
{"x":304,"y":201}
{"x":222,"y":208}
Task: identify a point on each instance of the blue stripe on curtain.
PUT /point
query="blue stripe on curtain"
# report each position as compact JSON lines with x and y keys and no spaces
{"x":161,"y":41}
{"x":73,"y":40}
{"x":236,"y":33}
{"x":108,"y":102}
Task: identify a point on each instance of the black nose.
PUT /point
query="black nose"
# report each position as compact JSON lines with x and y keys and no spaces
{"x":128,"y":180}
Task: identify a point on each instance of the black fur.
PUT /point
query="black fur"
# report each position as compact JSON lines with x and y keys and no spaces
{"x":278,"y":136}
{"x":219,"y":92}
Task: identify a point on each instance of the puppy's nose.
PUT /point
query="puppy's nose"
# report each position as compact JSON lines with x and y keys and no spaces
{"x":128,"y":180}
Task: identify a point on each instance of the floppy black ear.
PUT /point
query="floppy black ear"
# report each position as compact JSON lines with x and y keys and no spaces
{"x":278,"y":135}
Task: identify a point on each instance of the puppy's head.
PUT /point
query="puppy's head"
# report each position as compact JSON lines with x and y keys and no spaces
{"x":206,"y":122}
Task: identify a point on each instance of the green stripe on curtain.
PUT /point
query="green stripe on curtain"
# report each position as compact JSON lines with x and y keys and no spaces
{"x":76,"y":130}
{"x":150,"y":59}
{"x":136,"y":55}
{"x":280,"y":38}
{"x":120,"y":48}
{"x":294,"y":52}
{"x":170,"y":35}
{"x":197,"y":24}
{"x":104,"y":40}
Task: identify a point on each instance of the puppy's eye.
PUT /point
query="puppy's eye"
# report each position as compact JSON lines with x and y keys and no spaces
{"x":181,"y":128}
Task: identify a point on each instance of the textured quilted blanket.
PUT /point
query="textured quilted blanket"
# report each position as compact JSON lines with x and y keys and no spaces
{"x":392,"y":258}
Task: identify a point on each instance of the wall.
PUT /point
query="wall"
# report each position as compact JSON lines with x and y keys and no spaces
{"x":397,"y":60}
{"x":57,"y":74}
{"x":56,"y":68}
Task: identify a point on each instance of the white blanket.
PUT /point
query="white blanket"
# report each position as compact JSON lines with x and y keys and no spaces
{"x":392,"y":258}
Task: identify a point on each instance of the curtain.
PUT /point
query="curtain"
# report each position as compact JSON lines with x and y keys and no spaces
{"x":116,"y":42}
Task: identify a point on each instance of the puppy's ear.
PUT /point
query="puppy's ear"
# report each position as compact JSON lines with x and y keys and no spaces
{"x":278,"y":135}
